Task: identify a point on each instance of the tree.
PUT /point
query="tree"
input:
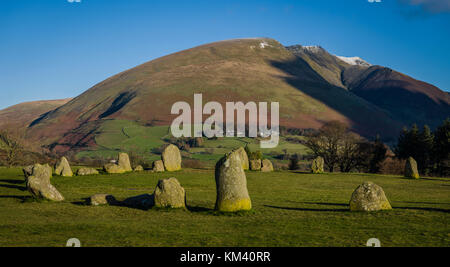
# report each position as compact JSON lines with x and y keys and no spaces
{"x":416,"y":144}
{"x":327,"y":141}
{"x":441,"y":148}
{"x":12,"y":147}
{"x":349,"y":152}
{"x":425,"y":150}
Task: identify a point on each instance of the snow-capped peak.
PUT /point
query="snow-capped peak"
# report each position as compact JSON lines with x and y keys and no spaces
{"x":357,"y":61}
{"x":313,"y":48}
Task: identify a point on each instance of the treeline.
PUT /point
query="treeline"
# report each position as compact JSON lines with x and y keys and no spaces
{"x":430,"y":149}
{"x":346,"y":151}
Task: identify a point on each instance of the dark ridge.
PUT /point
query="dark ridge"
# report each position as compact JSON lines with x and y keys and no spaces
{"x":119,"y":103}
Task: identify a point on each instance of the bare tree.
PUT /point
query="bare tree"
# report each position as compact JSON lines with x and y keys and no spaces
{"x":327,"y":141}
{"x":12,"y":146}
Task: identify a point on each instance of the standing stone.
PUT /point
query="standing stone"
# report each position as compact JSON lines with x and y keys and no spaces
{"x":255,"y":164}
{"x":62,"y":168}
{"x":139,"y":168}
{"x":244,"y":158}
{"x":411,"y":169}
{"x":231,"y":184}
{"x":124,"y":162}
{"x":170,"y":194}
{"x":113,"y":169}
{"x":267,"y":166}
{"x":38,"y":184}
{"x":172,"y":158}
{"x":28,"y":171}
{"x":102,"y":199}
{"x":87,"y":171}
{"x":158,"y":166}
{"x":369,"y":197}
{"x":317,"y":165}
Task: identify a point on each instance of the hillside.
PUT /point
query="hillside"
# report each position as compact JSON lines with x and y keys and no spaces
{"x":312,"y":86}
{"x":21,"y":115}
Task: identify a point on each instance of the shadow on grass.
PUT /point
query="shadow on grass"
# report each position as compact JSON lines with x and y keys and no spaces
{"x":422,"y":209}
{"x":306,"y":209}
{"x":22,"y":198}
{"x":326,"y":204}
{"x":426,"y":203}
{"x":9,"y":181}
{"x":21,"y":188}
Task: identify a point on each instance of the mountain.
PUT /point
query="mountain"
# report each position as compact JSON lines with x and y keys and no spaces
{"x":22,"y":115}
{"x":312,"y":86}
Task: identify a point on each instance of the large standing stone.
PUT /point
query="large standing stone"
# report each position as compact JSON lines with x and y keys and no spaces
{"x":255,"y":164}
{"x":317,"y":165}
{"x":102,"y":199}
{"x":87,"y":171}
{"x":411,"y":170}
{"x":62,"y":168}
{"x":369,"y":197}
{"x":231,"y":184}
{"x":124,"y":162}
{"x":172,"y":158}
{"x":38,"y":184}
{"x":170,"y":194}
{"x":112,"y":168}
{"x":41,"y":170}
{"x":158,"y":166}
{"x":267,"y":166}
{"x":244,"y":158}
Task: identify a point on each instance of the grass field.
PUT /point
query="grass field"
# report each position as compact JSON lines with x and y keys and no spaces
{"x":120,"y":135}
{"x":290,"y":209}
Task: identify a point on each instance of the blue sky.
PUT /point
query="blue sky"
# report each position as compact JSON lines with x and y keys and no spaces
{"x":52,"y":49}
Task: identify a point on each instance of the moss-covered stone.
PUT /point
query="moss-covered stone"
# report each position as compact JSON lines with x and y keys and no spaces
{"x":170,"y":194}
{"x":411,"y":170}
{"x":317,"y":165}
{"x":244,"y":158}
{"x":255,"y":164}
{"x":62,"y":168}
{"x":369,"y":197}
{"x":231,"y":184}
{"x":172,"y":158}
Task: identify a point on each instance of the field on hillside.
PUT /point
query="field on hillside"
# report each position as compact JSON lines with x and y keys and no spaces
{"x":290,"y":209}
{"x":119,"y":135}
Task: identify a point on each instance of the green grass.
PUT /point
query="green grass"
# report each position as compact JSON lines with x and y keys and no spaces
{"x":290,"y":209}
{"x":120,"y":135}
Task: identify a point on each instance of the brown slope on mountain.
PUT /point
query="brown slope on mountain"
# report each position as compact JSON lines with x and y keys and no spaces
{"x":408,"y":100}
{"x":21,"y":115}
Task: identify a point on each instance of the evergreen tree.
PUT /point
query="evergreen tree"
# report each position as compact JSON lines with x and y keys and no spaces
{"x":441,"y":151}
